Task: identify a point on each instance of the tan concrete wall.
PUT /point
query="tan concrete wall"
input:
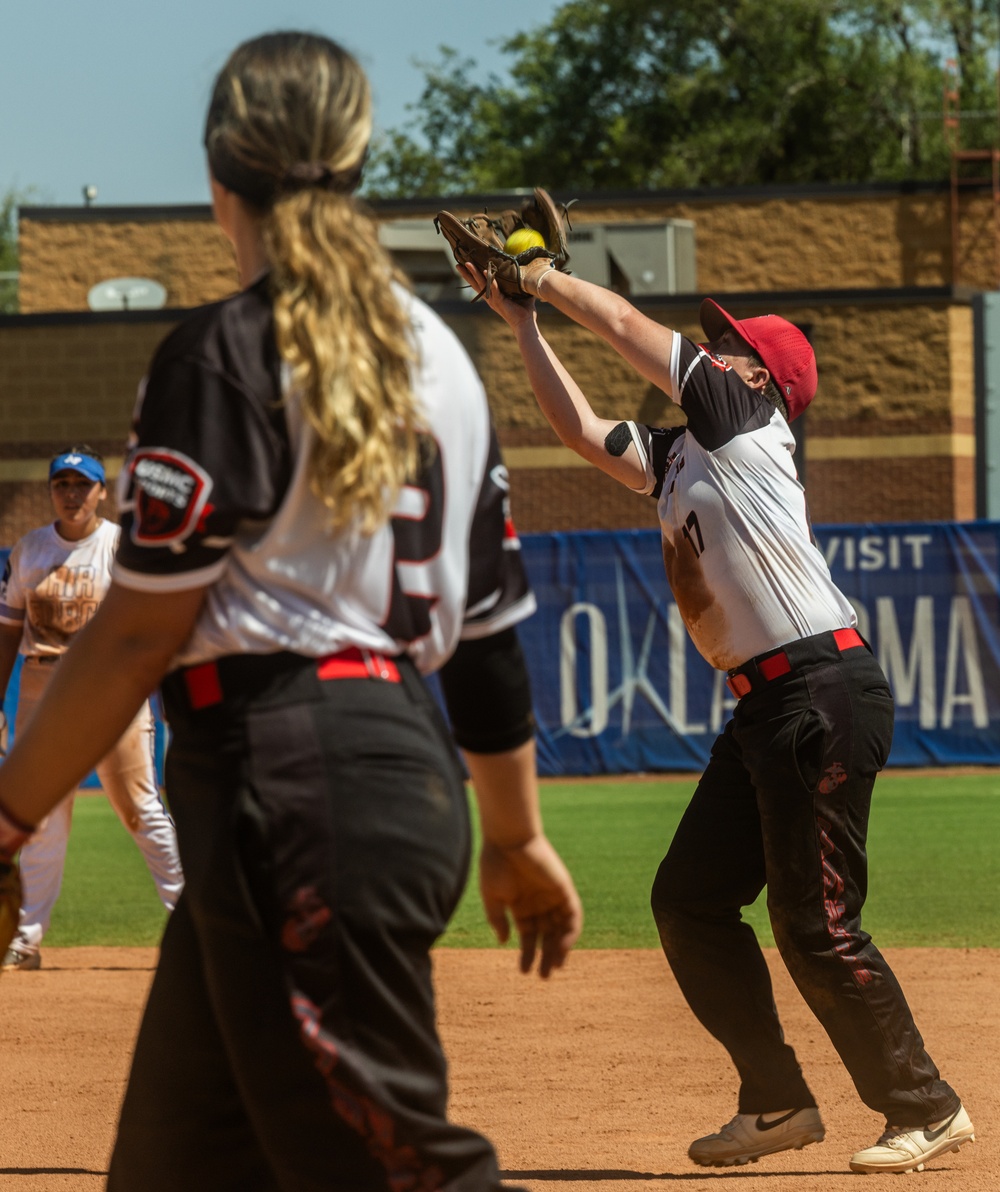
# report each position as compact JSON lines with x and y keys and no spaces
{"x":59,"y":385}
{"x":68,"y":381}
{"x":877,"y":363}
{"x":888,"y":438}
{"x":841,"y":241}
{"x":62,"y":259}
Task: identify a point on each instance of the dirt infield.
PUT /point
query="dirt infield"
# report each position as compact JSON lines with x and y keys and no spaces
{"x":596,"y":1080}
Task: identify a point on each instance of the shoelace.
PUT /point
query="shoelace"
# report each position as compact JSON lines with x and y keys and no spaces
{"x":724,"y":1131}
{"x":894,"y":1136}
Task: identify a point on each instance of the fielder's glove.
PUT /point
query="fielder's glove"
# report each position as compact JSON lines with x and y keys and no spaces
{"x":12,"y":836}
{"x":482,"y":241}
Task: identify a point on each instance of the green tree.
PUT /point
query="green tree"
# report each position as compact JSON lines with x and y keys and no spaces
{"x":8,"y":252}
{"x":644,"y":93}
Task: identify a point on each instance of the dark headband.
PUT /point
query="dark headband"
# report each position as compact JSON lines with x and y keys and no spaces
{"x":262,"y":189}
{"x":316,"y":173}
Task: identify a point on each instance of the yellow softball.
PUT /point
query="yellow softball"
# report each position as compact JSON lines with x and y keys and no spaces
{"x":523,"y":239}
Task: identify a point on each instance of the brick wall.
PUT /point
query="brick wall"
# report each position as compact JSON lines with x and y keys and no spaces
{"x":801,"y":239}
{"x":62,"y":383}
{"x":62,"y":258}
{"x":890,"y":436}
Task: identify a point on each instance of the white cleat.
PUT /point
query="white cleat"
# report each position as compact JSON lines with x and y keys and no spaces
{"x":19,"y":957}
{"x":908,"y":1150}
{"x":750,"y":1135}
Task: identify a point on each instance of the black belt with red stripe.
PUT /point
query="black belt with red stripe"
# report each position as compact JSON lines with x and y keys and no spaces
{"x":775,"y":664}
{"x":208,"y":683}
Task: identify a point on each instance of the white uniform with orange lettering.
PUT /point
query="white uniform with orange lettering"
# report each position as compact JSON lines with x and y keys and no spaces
{"x":52,"y":587}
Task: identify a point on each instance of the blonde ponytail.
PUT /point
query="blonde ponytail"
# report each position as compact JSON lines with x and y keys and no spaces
{"x":287,"y":130}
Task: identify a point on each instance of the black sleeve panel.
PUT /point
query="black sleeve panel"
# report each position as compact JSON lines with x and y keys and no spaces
{"x":658,"y":442}
{"x":488,"y":694}
{"x":497,"y":578}
{"x":209,"y":445}
{"x":718,"y":405}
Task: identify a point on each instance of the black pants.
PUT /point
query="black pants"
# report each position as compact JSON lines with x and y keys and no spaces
{"x":289,"y":1041}
{"x":784,"y":802}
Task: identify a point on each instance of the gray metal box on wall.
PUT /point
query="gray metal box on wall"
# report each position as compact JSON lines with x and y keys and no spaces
{"x":424,"y":256}
{"x":636,"y":258}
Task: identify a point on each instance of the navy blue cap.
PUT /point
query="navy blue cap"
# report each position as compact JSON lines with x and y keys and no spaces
{"x":76,"y":461}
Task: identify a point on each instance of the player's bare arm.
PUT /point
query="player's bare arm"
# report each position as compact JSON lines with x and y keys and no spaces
{"x":10,"y":642}
{"x":134,"y":636}
{"x":640,"y":340}
{"x":559,"y":397}
{"x":568,"y":411}
{"x":520,"y":873}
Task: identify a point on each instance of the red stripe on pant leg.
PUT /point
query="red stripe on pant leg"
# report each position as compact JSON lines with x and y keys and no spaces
{"x":833,"y":907}
{"x":404,"y":1170}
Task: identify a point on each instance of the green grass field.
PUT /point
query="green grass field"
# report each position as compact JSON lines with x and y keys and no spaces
{"x":933,"y":850}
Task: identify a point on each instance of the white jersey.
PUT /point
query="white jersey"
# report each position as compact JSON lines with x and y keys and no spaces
{"x":51,"y":587}
{"x":216,"y":493}
{"x":741,"y":560}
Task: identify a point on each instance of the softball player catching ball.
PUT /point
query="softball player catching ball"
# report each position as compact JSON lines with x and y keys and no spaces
{"x":54,"y":580}
{"x":785,"y":798}
{"x":314,"y":514}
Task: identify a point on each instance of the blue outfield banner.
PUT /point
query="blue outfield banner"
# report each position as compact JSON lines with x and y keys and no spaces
{"x":619,"y":687}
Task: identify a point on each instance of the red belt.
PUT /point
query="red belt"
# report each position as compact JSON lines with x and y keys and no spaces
{"x":204,"y":683}
{"x":773,"y":666}
{"x":356,"y":663}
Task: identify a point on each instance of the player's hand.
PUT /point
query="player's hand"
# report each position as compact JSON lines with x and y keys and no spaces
{"x":12,"y":836}
{"x":10,"y":902}
{"x":529,"y":884}
{"x":510,"y":311}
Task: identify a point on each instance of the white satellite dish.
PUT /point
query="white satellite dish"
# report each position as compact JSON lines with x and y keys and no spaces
{"x":127,"y":293}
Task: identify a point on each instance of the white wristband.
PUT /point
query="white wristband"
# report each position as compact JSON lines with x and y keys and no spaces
{"x":538,"y":284}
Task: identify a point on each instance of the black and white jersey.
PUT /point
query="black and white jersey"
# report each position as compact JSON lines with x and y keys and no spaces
{"x":215,"y":493}
{"x":740,"y":557}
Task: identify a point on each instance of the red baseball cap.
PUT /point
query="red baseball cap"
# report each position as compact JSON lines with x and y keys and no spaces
{"x":786,"y":353}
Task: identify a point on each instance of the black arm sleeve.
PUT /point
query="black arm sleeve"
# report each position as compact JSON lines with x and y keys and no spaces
{"x":488,"y":693}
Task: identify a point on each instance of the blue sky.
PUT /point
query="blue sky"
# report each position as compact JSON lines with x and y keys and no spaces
{"x":112,"y":93}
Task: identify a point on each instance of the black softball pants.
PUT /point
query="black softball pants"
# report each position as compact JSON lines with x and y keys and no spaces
{"x":289,"y":1041}
{"x":784,"y":802}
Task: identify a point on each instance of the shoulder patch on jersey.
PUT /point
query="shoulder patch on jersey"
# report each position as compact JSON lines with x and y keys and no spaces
{"x":169,"y":492}
{"x":713,"y":360}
